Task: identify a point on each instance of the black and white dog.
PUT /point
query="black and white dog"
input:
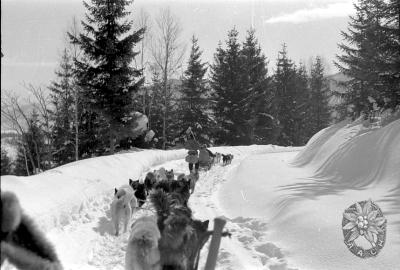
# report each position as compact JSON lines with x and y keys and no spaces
{"x":227,"y":159}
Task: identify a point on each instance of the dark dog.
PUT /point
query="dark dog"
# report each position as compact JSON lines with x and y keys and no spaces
{"x":181,"y":189}
{"x":182,"y":237}
{"x":193,"y":177}
{"x":164,"y":185}
{"x":227,"y":159}
{"x":22,"y":243}
{"x":140,"y":191}
{"x":149,"y":181}
{"x":170,"y":175}
{"x":174,"y":223}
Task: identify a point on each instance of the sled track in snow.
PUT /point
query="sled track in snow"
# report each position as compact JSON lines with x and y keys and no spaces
{"x":87,"y":241}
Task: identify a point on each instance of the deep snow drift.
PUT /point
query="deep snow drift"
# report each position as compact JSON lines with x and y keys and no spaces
{"x":301,"y":200}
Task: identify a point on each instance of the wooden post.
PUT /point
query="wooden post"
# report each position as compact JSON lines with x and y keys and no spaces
{"x":219,"y":224}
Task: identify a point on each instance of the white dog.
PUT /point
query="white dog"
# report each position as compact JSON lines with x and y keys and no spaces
{"x":217,"y":159}
{"x":142,"y":252}
{"x":122,"y":206}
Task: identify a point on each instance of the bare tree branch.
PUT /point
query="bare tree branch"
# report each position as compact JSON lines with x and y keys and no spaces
{"x":167,"y":52}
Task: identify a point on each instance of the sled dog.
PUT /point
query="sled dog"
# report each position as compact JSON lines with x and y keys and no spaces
{"x":227,"y":159}
{"x":160,"y":174}
{"x":122,"y":207}
{"x":193,"y":177}
{"x":217,"y":158}
{"x":149,"y":181}
{"x":140,"y":191}
{"x":181,"y":177}
{"x":142,"y":252}
{"x":170,"y":175}
{"x":22,"y":243}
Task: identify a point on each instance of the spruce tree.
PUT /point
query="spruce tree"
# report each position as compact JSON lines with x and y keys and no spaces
{"x":258,"y":98}
{"x":364,"y":60}
{"x":229,"y":92}
{"x":285,"y":107}
{"x":106,"y":76}
{"x":62,"y":97}
{"x":318,"y":109}
{"x":301,"y":107}
{"x":390,"y":55}
{"x":194,"y":96}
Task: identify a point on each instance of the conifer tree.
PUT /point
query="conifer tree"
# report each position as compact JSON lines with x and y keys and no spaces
{"x":62,"y":97}
{"x":285,"y":107}
{"x":107,"y":79}
{"x":194,"y":95}
{"x":365,"y":60}
{"x":229,"y":92}
{"x":390,"y":55}
{"x":258,"y":98}
{"x":301,"y":107}
{"x":319,"y":111}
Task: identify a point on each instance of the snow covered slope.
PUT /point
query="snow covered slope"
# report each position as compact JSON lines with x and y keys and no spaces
{"x":301,"y":199}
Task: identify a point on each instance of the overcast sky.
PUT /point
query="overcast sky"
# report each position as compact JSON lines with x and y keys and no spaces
{"x":33,"y":30}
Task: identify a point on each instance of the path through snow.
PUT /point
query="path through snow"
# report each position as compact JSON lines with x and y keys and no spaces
{"x":87,"y":242}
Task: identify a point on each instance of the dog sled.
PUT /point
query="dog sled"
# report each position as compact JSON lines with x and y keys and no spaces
{"x":205,"y":159}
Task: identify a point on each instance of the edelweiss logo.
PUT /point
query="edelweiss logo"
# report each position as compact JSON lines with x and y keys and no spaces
{"x":364,"y":229}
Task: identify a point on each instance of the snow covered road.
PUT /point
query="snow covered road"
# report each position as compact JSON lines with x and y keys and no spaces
{"x":89,"y":243}
{"x":84,"y":238}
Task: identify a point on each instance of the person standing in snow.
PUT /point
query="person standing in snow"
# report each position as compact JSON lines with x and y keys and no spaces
{"x":193,"y":146}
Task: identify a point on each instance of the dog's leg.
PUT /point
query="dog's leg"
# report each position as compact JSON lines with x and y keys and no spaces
{"x":128,"y":215}
{"x":116,"y":223}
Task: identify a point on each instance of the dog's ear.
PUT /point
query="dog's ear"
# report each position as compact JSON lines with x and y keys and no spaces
{"x":115,"y":191}
{"x":130,"y":182}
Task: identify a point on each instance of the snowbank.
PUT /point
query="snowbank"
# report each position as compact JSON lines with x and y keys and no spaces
{"x":352,"y":155}
{"x":59,"y":196}
{"x":56,"y":196}
{"x":302,"y":198}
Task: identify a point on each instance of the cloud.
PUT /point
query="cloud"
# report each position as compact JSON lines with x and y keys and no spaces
{"x":334,"y":10}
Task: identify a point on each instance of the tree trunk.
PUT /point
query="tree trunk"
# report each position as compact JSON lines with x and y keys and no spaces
{"x":76,"y":120}
{"x":31,"y":159}
{"x":112,"y":142}
{"x":149,"y":113}
{"x":165,"y":80}
{"x":37,"y":154}
{"x":26,"y":161}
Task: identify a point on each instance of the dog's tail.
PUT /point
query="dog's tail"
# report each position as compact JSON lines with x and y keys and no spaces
{"x":161,"y":202}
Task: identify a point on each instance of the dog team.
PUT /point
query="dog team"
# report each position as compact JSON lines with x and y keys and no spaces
{"x":200,"y":156}
{"x":171,"y":239}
